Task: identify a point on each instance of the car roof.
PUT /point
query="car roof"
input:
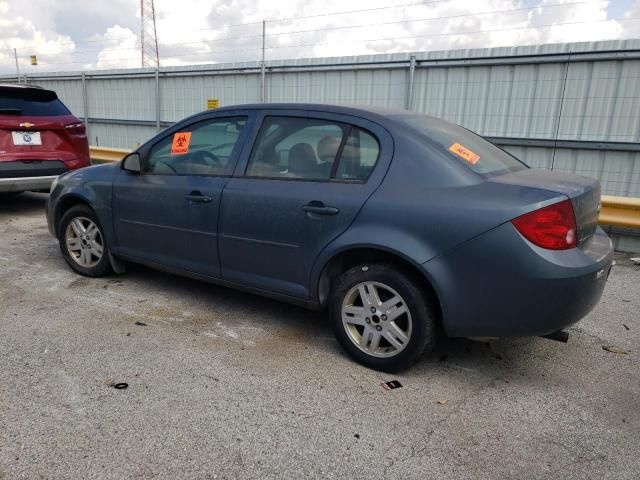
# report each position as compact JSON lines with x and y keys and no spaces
{"x":357,"y":110}
{"x":22,"y":87}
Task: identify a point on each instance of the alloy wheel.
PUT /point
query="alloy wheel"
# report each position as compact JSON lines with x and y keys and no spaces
{"x":376,"y":319}
{"x":84,"y":242}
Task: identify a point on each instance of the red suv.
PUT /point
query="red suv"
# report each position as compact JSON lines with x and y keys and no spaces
{"x":39,"y":138}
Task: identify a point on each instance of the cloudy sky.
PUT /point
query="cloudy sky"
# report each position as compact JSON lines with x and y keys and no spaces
{"x":79,"y":35}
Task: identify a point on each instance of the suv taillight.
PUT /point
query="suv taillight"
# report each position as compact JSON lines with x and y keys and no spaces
{"x":552,"y":227}
{"x":76,"y":128}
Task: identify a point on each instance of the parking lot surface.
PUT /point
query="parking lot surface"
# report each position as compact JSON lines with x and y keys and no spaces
{"x":223,"y":384}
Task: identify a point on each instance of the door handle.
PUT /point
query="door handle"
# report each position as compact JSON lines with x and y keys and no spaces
{"x":198,"y":197}
{"x":320,"y":208}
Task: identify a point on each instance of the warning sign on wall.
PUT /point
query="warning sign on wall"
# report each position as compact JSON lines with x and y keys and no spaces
{"x":213,"y":103}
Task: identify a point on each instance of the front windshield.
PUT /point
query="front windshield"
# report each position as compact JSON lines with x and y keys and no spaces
{"x":480,"y":155}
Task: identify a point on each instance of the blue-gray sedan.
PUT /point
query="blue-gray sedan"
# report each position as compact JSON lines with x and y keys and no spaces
{"x":401,"y":225}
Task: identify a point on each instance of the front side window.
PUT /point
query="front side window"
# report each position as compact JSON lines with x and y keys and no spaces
{"x":312,"y":149}
{"x":200,"y":149}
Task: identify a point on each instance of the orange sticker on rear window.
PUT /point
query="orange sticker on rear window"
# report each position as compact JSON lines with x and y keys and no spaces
{"x":180,"y":144}
{"x":464,"y":153}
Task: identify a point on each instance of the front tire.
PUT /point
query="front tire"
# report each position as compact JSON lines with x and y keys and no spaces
{"x":381,"y":318}
{"x":83,"y":243}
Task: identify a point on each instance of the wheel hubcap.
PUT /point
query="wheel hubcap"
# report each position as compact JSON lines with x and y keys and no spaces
{"x":84,"y":242}
{"x":376,"y":319}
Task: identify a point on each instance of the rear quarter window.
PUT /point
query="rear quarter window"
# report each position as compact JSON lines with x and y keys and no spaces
{"x":462,"y":145}
{"x":31,"y":102}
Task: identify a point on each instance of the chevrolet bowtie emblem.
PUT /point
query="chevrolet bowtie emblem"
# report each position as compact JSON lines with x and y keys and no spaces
{"x":27,"y":125}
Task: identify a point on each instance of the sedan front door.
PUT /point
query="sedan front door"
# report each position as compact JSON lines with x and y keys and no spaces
{"x":168,"y":214}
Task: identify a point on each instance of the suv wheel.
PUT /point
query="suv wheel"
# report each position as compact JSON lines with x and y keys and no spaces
{"x":381,"y":318}
{"x":83,"y":243}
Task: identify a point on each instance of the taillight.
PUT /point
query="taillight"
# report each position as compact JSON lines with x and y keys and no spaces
{"x":76,"y":128}
{"x":552,"y":227}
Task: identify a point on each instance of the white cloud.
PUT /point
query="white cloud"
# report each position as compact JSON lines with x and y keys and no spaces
{"x":76,"y":34}
{"x":121,"y":49}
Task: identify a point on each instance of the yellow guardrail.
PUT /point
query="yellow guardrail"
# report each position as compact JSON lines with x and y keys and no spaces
{"x":620,"y":211}
{"x":616,"y":211}
{"x":105,"y":155}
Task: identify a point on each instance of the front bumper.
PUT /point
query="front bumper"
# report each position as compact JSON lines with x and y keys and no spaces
{"x":500,"y":285}
{"x":21,"y":184}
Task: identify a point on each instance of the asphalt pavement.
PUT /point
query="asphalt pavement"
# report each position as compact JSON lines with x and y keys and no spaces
{"x":223,"y":384}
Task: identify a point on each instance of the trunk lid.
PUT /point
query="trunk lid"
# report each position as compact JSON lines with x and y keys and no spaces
{"x":584,"y":193}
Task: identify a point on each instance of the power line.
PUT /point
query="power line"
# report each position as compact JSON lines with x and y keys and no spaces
{"x":357,"y":11}
{"x":510,"y":10}
{"x":460,"y":33}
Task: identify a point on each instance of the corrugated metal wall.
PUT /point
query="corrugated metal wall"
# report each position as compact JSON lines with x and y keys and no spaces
{"x":571,"y":92}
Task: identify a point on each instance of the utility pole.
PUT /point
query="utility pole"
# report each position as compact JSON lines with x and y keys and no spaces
{"x":15,"y":55}
{"x":263,"y":69}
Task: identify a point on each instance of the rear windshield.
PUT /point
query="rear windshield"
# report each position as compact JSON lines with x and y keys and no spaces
{"x":462,"y":145}
{"x":30,"y":102}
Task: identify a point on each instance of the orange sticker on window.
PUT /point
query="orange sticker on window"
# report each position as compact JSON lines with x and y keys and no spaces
{"x":180,"y":144}
{"x":464,"y":153}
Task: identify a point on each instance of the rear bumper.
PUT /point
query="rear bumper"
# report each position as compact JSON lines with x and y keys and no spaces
{"x":34,"y":174}
{"x":21,"y":184}
{"x":500,"y":285}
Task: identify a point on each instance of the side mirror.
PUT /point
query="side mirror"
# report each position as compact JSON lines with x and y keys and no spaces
{"x":131,"y":163}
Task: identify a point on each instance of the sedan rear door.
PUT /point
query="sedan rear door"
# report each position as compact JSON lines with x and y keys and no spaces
{"x":299,"y":187}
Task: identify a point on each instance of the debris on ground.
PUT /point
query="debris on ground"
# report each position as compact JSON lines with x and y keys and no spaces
{"x":612,"y":349}
{"x":443,"y":402}
{"x":626,"y":327}
{"x":391,"y":385}
{"x":140,"y":324}
{"x":635,"y":260}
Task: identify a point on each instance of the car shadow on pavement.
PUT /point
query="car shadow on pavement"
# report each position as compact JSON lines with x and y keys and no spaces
{"x":24,"y":203}
{"x":314,"y":330}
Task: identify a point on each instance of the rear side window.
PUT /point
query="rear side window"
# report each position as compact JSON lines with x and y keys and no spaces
{"x":312,"y":149}
{"x":462,"y":145}
{"x":30,"y":102}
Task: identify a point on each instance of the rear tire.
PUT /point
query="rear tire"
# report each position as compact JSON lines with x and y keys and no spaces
{"x":82,"y":242}
{"x":381,"y":317}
